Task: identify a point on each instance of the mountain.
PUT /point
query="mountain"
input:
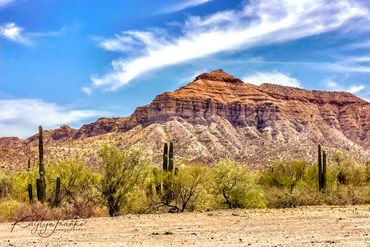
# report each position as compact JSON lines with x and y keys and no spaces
{"x":217,"y":116}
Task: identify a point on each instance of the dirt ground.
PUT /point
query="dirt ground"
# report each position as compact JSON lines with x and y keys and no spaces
{"x":303,"y":226}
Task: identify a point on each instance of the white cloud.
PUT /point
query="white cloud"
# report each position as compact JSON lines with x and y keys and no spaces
{"x":5,"y":2}
{"x":358,"y":45}
{"x":56,"y":33}
{"x":260,"y":22}
{"x":14,"y":33}
{"x":351,"y":88}
{"x":132,"y":41}
{"x":185,"y":5}
{"x":355,"y":88}
{"x":275,"y":77}
{"x":354,"y":64}
{"x":20,"y":117}
{"x":87,"y":90}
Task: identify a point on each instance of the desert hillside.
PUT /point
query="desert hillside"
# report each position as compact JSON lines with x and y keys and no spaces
{"x":216,"y":116}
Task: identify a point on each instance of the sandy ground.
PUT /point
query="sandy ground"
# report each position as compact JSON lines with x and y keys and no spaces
{"x":304,"y":226}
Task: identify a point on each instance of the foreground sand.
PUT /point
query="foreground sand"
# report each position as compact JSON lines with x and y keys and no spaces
{"x":304,"y":226}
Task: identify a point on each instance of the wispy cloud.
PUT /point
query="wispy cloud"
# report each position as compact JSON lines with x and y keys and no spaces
{"x":20,"y":117}
{"x":272,"y":77}
{"x":3,"y":3}
{"x":184,"y":5}
{"x":56,"y":33}
{"x":256,"y":24}
{"x":14,"y":33}
{"x":86,"y":90}
{"x":358,"y":45}
{"x":332,"y":85}
{"x":360,"y":64}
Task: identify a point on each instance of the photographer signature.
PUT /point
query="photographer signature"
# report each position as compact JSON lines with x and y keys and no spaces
{"x":45,"y":229}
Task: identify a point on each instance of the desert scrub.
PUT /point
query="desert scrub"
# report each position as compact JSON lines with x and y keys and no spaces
{"x":351,"y":185}
{"x":124,"y":171}
{"x":290,"y":184}
{"x":131,"y":183}
{"x":285,"y":174}
{"x":20,"y":182}
{"x":189,"y":188}
{"x":8,"y":209}
{"x":185,"y":190}
{"x":77,"y":180}
{"x":5,"y":184}
{"x":78,"y":184}
{"x":235,"y":186}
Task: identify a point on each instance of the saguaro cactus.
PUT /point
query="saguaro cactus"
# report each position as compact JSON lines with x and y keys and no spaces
{"x":38,"y":189}
{"x":42,"y":183}
{"x":30,"y":195}
{"x":321,"y":168}
{"x":165,"y":157}
{"x":170,"y":158}
{"x":57,"y":193}
{"x":319,"y":163}
{"x":324,"y":170}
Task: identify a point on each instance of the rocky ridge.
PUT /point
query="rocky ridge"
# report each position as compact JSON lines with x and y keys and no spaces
{"x":218,"y":115}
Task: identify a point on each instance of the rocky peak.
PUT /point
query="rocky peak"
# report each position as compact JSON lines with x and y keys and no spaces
{"x":64,"y":132}
{"x":217,"y":116}
{"x":218,"y":75}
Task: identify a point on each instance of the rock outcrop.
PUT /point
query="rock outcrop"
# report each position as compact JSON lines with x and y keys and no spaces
{"x":218,"y":115}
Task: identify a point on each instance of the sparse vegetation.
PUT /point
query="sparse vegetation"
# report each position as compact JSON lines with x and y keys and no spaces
{"x":124,"y":173}
{"x":235,"y":186}
{"x":130,"y":183}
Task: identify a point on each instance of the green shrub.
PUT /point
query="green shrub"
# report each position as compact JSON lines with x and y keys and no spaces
{"x":8,"y":209}
{"x":5,"y":185}
{"x":284,"y":174}
{"x":76,"y":178}
{"x":184,"y":191}
{"x":349,"y":172}
{"x":79,"y":186}
{"x":234,"y":186}
{"x":20,"y":182}
{"x":125,"y":171}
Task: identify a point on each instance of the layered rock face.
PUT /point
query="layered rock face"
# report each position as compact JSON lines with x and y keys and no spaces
{"x":218,"y":116}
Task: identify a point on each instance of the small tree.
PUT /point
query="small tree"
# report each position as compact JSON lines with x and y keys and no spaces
{"x":77,"y":185}
{"x":285,"y":174}
{"x":124,"y":171}
{"x":184,"y":191}
{"x":236,"y":186}
{"x":5,"y":184}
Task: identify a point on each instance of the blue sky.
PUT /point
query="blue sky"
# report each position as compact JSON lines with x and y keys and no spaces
{"x":70,"y":62}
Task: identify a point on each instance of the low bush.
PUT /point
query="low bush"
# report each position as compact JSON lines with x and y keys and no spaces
{"x":130,"y":183}
{"x":125,"y":172}
{"x":8,"y":209}
{"x":187,"y":190}
{"x":234,"y":186}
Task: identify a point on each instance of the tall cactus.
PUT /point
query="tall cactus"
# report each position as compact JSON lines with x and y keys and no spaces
{"x":42,"y":183}
{"x":170,"y":158}
{"x":38,"y":189}
{"x":165,"y":157}
{"x":324,"y":170}
{"x":30,"y":195}
{"x":57,"y":193}
{"x":319,"y":163}
{"x":168,"y":164}
{"x":321,"y":168}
